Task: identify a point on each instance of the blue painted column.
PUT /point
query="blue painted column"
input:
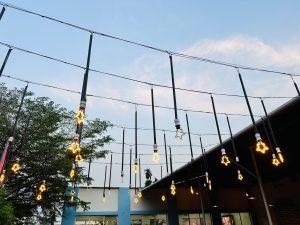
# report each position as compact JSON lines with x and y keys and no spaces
{"x":172,"y":210}
{"x":123,"y":207}
{"x":69,"y":214}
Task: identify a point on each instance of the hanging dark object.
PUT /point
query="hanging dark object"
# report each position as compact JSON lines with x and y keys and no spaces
{"x":296,"y":86}
{"x":88,"y":176}
{"x":6,"y":152}
{"x":260,"y":145}
{"x":110,"y":169}
{"x":155,"y":156}
{"x":207,"y":177}
{"x":2,"y":12}
{"x":136,"y":199}
{"x":103,"y":195}
{"x":278,"y":151}
{"x":224,"y":158}
{"x":202,"y":165}
{"x":190,"y":140}
{"x":122,"y":168}
{"x":166,"y":153}
{"x":179,"y":131}
{"x":239,"y":174}
{"x":5,"y":61}
{"x":172,"y":187}
{"x":135,"y":167}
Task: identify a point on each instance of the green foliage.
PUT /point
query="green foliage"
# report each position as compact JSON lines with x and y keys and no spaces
{"x":148,"y":175}
{"x":6,"y":209}
{"x":42,"y":150}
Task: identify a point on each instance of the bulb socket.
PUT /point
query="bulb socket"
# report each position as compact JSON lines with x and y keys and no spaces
{"x":258,"y":137}
{"x":177,"y":124}
{"x":278,"y":150}
{"x":223,"y":151}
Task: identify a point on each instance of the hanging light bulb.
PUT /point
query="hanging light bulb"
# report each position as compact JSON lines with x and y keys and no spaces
{"x":173,"y":188}
{"x":136,"y":199}
{"x":155,"y":156}
{"x":139,"y":194}
{"x":179,"y":131}
{"x":280,"y":156}
{"x":78,"y":158}
{"x":206,"y":177}
{"x":80,"y":116}
{"x":275,"y":161}
{"x":224,"y":158}
{"x":104,"y":199}
{"x":240,"y":176}
{"x":163,"y":198}
{"x":16,"y":166}
{"x":42,"y":188}
{"x":260,"y":145}
{"x":122,"y":176}
{"x":191,"y":190}
{"x":2,"y":178}
{"x":39,"y":197}
{"x":74,"y":148}
{"x":72,"y":172}
{"x":72,"y":193}
{"x":209,"y":185}
{"x":136,"y":166}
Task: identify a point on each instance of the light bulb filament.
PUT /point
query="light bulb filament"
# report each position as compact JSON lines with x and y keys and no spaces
{"x":16,"y":167}
{"x":225,"y":160}
{"x":261,"y":146}
{"x":80,"y":116}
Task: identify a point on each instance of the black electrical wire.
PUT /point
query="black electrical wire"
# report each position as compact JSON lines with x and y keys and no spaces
{"x":123,"y":142}
{"x":146,"y":46}
{"x":130,"y":160}
{"x":110,"y":169}
{"x":173,"y":91}
{"x":166,"y":153}
{"x":190,"y":140}
{"x":5,"y":61}
{"x":2,"y":12}
{"x":216,"y":120}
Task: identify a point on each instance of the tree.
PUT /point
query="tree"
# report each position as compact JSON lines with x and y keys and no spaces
{"x":6,"y":209}
{"x":148,"y":175}
{"x":42,"y":150}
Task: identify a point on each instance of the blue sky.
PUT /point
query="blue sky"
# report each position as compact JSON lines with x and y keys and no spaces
{"x":256,"y":33}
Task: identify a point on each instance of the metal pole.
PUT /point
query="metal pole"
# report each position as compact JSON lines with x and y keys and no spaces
{"x":261,"y":188}
{"x":122,"y":169}
{"x":130,"y":167}
{"x":216,"y":120}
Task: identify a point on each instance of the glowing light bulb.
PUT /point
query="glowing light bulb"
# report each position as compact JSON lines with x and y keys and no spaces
{"x":16,"y":167}
{"x":78,"y":158}
{"x":209,"y":185}
{"x":192,"y":190}
{"x":139,"y":194}
{"x":72,"y":173}
{"x":72,"y":193}
{"x":163,"y":198}
{"x":136,"y":166}
{"x":80,"y":116}
{"x":39,"y":197}
{"x":280,"y":156}
{"x":2,"y":178}
{"x":155,"y":155}
{"x":224,"y":158}
{"x":42,"y":188}
{"x":104,"y":199}
{"x":260,"y":145}
{"x":240,"y":176}
{"x":173,"y":188}
{"x":206,"y":177}
{"x":136,"y":199}
{"x":74,"y":148}
{"x":275,"y":161}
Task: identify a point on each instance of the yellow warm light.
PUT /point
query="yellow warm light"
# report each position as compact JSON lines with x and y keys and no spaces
{"x":209,"y":185}
{"x":72,"y":193}
{"x":192,"y":190}
{"x":72,"y":198}
{"x":206,"y":177}
{"x":240,"y":176}
{"x":2,"y":177}
{"x":173,"y":188}
{"x":136,"y":200}
{"x":16,"y":167}
{"x":39,"y":197}
{"x":275,"y":161}
{"x":78,"y":158}
{"x":72,"y":173}
{"x":42,"y":187}
{"x":74,"y":147}
{"x":136,"y":168}
{"x":80,"y":116}
{"x":155,"y":156}
{"x":261,"y":146}
{"x":280,"y":156}
{"x":163,"y":198}
{"x":139,"y":194}
{"x":225,"y":160}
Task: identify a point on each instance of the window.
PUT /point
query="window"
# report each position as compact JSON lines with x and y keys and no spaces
{"x":240,"y":218}
{"x":96,"y":220}
{"x":194,"y":219}
{"x":159,"y":219}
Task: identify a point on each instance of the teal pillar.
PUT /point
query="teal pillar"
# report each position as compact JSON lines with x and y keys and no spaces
{"x":69,"y":214}
{"x":123,"y":207}
{"x":172,"y":211}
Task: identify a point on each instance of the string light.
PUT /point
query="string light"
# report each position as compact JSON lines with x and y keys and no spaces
{"x":39,"y":197}
{"x":240,"y":176}
{"x":260,"y":145}
{"x":136,"y":166}
{"x":72,"y":193}
{"x":139,"y":194}
{"x":206,"y":177}
{"x":173,"y":188}
{"x":280,"y":156}
{"x":209,"y":185}
{"x":155,"y":156}
{"x":72,"y":172}
{"x":80,"y":116}
{"x":192,"y":190}
{"x":78,"y":158}
{"x":275,"y":161}
{"x":42,"y":188}
{"x":74,"y":148}
{"x":2,"y":178}
{"x":136,"y":199}
{"x":16,"y":166}
{"x":224,"y":158}
{"x":163,"y":198}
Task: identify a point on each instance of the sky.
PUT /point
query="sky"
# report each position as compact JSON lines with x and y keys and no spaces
{"x":262,"y":34}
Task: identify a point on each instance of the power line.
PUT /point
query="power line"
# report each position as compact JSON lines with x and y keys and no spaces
{"x":136,"y":80}
{"x":237,"y":66}
{"x":122,"y":100}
